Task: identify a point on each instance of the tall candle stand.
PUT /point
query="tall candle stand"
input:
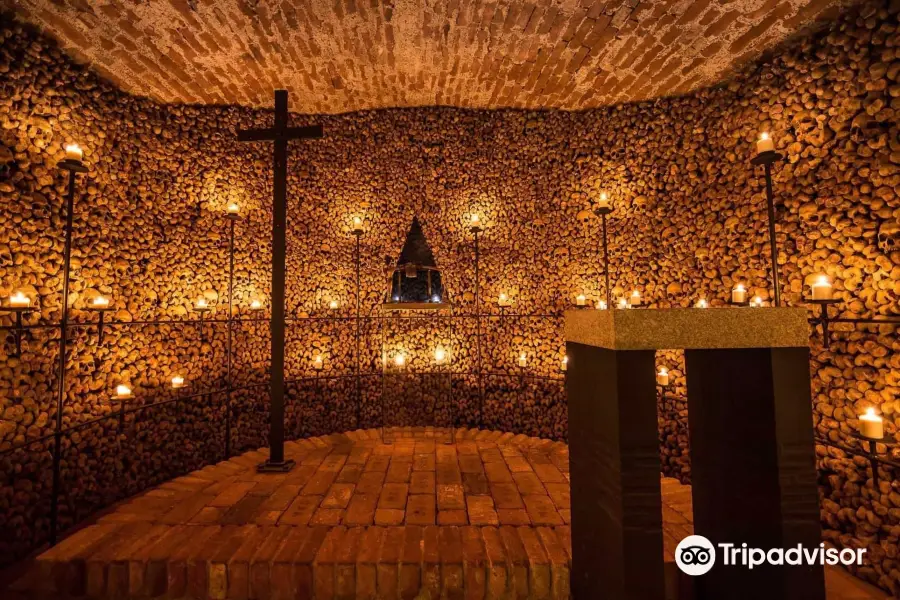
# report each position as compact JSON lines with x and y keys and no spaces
{"x":101,"y":310}
{"x":767,"y":159}
{"x":202,"y":310}
{"x":476,"y":230}
{"x":603,"y":212}
{"x":233,"y":217}
{"x":357,"y":232}
{"x":74,"y":167}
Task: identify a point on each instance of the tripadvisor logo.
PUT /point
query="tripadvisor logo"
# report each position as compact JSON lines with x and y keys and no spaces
{"x":696,"y":555}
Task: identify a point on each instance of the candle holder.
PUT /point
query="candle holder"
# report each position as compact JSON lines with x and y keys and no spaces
{"x":603,"y":212}
{"x":202,"y":309}
{"x":19,"y":329}
{"x":733,"y":303}
{"x":871,"y":451}
{"x":767,"y":159}
{"x":102,"y":310}
{"x":823,"y":319}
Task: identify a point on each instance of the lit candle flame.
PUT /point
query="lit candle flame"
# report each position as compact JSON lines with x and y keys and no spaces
{"x":439,"y":354}
{"x":400,"y":360}
{"x":601,"y":305}
{"x":74,"y":152}
{"x":177,"y":381}
{"x":756,"y":302}
{"x":101,"y":302}
{"x":202,"y":303}
{"x":702,"y":303}
{"x":19,"y":299}
{"x":333,"y":304}
{"x":233,"y":208}
{"x":123,"y":391}
{"x":255,"y":305}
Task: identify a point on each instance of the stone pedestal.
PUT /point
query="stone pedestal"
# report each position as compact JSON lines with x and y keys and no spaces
{"x":752,"y":453}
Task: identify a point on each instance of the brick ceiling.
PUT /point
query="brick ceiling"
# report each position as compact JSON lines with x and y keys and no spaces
{"x":343,"y":55}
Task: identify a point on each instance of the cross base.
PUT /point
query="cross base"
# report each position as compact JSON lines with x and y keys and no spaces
{"x":283,"y":466}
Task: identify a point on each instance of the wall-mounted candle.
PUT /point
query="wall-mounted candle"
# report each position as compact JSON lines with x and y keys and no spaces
{"x":123,"y":391}
{"x":476,"y":221}
{"x":580,"y":300}
{"x":871,"y":425}
{"x":255,"y":305}
{"x":318,"y":363}
{"x":739,"y":294}
{"x":702,"y":303}
{"x":202,"y":304}
{"x":601,"y":305}
{"x":333,"y":305}
{"x":19,"y":300}
{"x":357,"y":224}
{"x":662,"y":377}
{"x":435,"y":298}
{"x":177,"y":382}
{"x":635,"y":298}
{"x":523,"y":359}
{"x":756,"y":302}
{"x":74,"y":152}
{"x":400,"y":360}
{"x":623,"y":303}
{"x":503,"y":300}
{"x":100,"y":302}
{"x":565,"y":363}
{"x":765,"y":143}
{"x":440,"y":355}
{"x":822,"y":288}
{"x":603,"y":201}
{"x":233,"y":208}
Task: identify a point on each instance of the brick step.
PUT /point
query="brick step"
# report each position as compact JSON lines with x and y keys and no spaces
{"x":287,"y":562}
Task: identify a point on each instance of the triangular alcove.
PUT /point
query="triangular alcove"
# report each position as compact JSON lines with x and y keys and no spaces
{"x":416,"y":282}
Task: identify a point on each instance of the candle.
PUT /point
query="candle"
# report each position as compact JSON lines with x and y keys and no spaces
{"x":333,"y":305}
{"x":503,"y":300}
{"x":400,"y":360}
{"x":439,"y":355}
{"x":256,"y":305}
{"x":756,"y":302}
{"x":435,"y":298}
{"x":318,"y":363}
{"x":623,"y":303}
{"x":74,"y":152}
{"x":821,"y":288}
{"x":765,"y":143}
{"x":177,"y":382}
{"x":100,"y":302}
{"x":635,"y":298}
{"x":702,"y":303}
{"x":123,"y":391}
{"x":662,"y":376}
{"x":601,"y":305}
{"x":19,"y":300}
{"x":523,"y":359}
{"x":871,"y":425}
{"x":476,"y":221}
{"x":202,"y":304}
{"x":233,"y":208}
{"x":739,"y":294}
{"x":580,"y":300}
{"x":565,"y":363}
{"x":603,"y":201}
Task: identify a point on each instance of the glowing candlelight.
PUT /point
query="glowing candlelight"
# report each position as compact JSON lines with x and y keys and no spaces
{"x":19,"y":300}
{"x":739,"y":294}
{"x":123,"y":391}
{"x":565,"y":363}
{"x":822,"y":288}
{"x":871,"y":425}
{"x":74,"y":152}
{"x":233,"y":209}
{"x":765,"y":143}
{"x":580,"y":300}
{"x":635,"y":298}
{"x":202,"y":304}
{"x":177,"y":382}
{"x":318,"y":363}
{"x":623,"y":303}
{"x":523,"y":359}
{"x":400,"y":360}
{"x":603,"y":201}
{"x":256,"y":305}
{"x":100,"y":302}
{"x":439,"y":355}
{"x":357,"y":225}
{"x":756,"y":302}
{"x":662,"y":377}
{"x":601,"y":305}
{"x":702,"y":303}
{"x":333,"y":305}
{"x":503,"y":300}
{"x":476,"y":221}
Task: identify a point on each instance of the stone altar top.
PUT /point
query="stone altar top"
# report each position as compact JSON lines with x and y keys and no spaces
{"x":688,"y":328}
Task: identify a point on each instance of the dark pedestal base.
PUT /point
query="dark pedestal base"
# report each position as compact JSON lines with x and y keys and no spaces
{"x":753,"y":467}
{"x":275,"y":467}
{"x":617,"y":540}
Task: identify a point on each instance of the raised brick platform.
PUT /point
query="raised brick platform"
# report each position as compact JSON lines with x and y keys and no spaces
{"x":484,"y":517}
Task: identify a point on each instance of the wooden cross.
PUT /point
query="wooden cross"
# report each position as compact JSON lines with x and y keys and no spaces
{"x":280,"y":134}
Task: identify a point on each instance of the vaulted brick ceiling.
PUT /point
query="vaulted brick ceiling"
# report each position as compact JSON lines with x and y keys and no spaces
{"x":343,"y":55}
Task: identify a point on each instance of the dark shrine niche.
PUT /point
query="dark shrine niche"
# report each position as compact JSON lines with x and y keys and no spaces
{"x":416,"y":282}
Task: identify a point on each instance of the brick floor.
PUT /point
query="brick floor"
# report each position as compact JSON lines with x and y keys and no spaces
{"x":486,"y":516}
